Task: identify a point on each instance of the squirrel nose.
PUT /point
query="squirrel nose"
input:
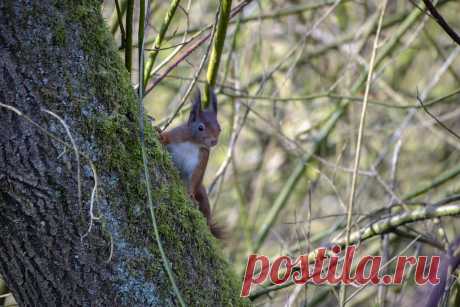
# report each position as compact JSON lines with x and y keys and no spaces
{"x":213,"y":142}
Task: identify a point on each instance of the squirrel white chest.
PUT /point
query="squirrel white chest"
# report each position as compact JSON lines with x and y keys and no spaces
{"x":186,"y":157}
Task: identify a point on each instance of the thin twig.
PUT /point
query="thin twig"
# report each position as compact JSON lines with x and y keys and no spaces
{"x":359,"y":142}
{"x":440,"y":123}
{"x":120,"y":23}
{"x":141,"y":118}
{"x":225,"y":7}
{"x":235,"y":11}
{"x":441,"y":21}
{"x":129,"y":35}
{"x":114,"y":20}
{"x":159,"y":40}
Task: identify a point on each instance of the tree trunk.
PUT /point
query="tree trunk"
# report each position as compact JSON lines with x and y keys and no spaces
{"x":59,"y":67}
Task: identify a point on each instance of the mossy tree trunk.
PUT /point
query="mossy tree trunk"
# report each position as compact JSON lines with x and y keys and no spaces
{"x":57,"y":56}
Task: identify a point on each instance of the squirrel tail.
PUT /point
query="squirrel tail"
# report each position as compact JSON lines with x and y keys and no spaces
{"x":218,"y":231}
{"x":201,"y":197}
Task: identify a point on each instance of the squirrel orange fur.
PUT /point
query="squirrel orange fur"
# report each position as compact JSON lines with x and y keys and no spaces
{"x":189,"y":145}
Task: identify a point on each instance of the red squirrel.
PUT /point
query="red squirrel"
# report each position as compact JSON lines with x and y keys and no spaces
{"x":189,"y":145}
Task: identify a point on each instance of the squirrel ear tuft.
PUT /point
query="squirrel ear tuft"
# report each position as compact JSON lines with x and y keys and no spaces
{"x":196,"y":106}
{"x":213,"y":102}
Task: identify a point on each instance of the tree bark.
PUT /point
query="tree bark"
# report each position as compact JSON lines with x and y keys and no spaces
{"x":57,"y":60}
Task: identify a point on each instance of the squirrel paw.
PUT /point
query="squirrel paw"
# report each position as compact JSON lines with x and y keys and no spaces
{"x":191,"y":194}
{"x":162,"y":137}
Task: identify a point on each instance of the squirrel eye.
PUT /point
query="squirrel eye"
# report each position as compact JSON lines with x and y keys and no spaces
{"x":201,"y":127}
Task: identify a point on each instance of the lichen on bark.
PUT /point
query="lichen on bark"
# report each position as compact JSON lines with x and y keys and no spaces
{"x":59,"y":56}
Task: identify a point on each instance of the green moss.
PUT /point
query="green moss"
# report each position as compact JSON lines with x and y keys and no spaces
{"x":59,"y":34}
{"x":193,"y":252}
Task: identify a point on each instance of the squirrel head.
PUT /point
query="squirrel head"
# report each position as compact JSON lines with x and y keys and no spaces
{"x":203,"y":124}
